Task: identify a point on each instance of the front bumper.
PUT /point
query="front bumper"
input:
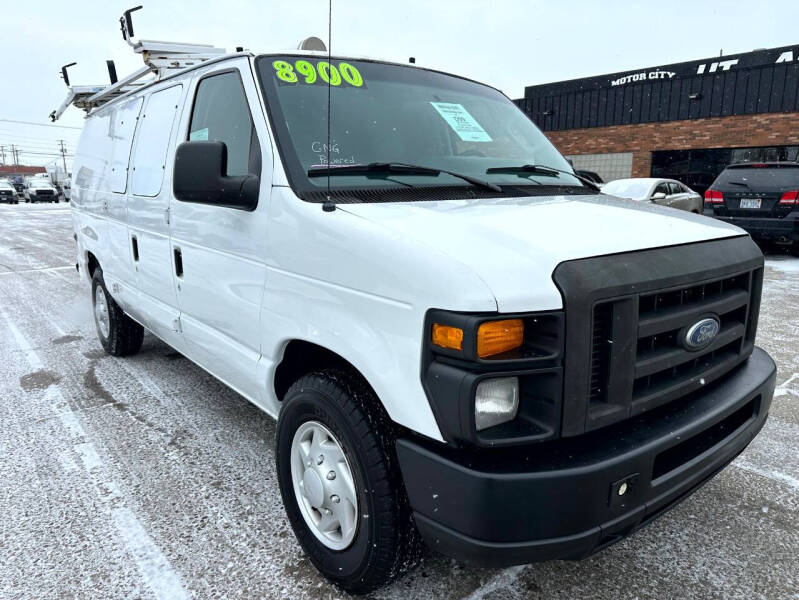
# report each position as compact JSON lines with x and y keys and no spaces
{"x":784,"y":229}
{"x":559,"y":500}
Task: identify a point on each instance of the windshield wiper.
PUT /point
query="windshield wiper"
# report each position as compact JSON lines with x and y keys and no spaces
{"x":544,"y":170}
{"x":398,"y":168}
{"x":743,"y":183}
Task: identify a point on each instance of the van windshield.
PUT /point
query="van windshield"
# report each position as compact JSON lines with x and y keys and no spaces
{"x":382,"y":113}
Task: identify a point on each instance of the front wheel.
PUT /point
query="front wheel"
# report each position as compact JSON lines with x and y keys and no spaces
{"x":340,"y":482}
{"x":119,"y":334}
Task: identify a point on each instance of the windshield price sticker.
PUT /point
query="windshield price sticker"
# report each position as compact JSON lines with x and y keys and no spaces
{"x":462,"y":123}
{"x":303,"y":71}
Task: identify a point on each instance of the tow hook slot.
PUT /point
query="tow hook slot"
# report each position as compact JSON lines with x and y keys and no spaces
{"x":620,"y":490}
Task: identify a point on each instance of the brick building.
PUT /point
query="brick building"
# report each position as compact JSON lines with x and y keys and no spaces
{"x":685,"y":121}
{"x":14,"y":171}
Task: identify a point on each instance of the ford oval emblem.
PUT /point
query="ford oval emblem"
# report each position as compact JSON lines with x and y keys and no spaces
{"x":701,"y":333}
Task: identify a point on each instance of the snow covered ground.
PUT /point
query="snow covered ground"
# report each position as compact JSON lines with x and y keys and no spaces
{"x":145,"y":477}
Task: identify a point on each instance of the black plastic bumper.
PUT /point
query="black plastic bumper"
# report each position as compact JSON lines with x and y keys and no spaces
{"x":785,"y":229}
{"x":560,"y":500}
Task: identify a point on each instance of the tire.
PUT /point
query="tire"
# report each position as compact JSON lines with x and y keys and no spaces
{"x":119,"y":334}
{"x":385,"y":542}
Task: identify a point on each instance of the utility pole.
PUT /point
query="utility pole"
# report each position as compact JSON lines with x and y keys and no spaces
{"x":63,"y":156}
{"x":3,"y":153}
{"x":14,"y":154}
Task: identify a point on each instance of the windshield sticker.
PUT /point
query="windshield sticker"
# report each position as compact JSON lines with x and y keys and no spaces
{"x":462,"y":123}
{"x":323,"y":72}
{"x":200,"y":134}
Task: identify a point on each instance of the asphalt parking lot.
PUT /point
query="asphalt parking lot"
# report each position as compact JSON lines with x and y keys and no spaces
{"x":144,"y":477}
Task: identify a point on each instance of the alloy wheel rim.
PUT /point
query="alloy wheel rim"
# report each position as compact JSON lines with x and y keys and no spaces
{"x":324,"y":485}
{"x":101,"y":312}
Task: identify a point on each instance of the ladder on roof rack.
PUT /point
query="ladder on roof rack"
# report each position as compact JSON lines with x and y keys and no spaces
{"x":160,"y":58}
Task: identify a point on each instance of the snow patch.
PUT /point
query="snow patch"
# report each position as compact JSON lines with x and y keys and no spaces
{"x":154,"y":568}
{"x":790,"y":265}
{"x":504,"y":579}
{"x":772,"y":474}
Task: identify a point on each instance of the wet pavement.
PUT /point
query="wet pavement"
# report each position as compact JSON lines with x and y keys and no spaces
{"x":144,"y":477}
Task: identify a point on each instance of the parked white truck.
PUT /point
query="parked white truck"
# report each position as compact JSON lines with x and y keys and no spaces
{"x":463,"y":343}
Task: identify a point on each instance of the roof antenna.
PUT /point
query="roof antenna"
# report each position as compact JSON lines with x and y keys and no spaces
{"x":329,"y":205}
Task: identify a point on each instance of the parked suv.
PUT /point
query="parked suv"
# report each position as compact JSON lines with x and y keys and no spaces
{"x":761,"y":198}
{"x":463,"y":342}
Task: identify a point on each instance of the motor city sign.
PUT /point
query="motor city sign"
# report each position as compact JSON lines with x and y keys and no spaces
{"x":696,"y":68}
{"x":757,"y":58}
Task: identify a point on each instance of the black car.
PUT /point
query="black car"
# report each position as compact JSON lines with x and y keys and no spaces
{"x":762,"y":198}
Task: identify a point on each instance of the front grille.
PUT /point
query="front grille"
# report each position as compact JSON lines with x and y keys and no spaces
{"x":601,"y":339}
{"x":624,"y":314}
{"x":44,"y":192}
{"x":662,"y":369}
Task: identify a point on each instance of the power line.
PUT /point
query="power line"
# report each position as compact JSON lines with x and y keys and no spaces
{"x":55,"y":144}
{"x":21,"y":151}
{"x":39,"y":124}
{"x":44,"y":135}
{"x":33,"y":136}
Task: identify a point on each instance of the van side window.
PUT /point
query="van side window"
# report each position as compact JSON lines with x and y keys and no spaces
{"x":152,"y":141}
{"x":120,"y":125}
{"x":221,"y":114}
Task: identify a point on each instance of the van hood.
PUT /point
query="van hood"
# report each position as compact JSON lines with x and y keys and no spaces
{"x":514,"y":244}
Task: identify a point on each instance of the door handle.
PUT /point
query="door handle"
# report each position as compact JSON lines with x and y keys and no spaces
{"x":135,"y":245}
{"x":178,"y":261}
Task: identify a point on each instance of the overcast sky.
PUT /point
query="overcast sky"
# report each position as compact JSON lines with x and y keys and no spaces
{"x":506,"y":43}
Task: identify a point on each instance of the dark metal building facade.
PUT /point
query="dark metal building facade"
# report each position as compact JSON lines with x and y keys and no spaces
{"x":667,"y":117}
{"x":763,"y":81}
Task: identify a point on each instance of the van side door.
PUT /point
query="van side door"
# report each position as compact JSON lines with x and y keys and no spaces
{"x":218,"y":252}
{"x":118,"y":127}
{"x":148,"y":245}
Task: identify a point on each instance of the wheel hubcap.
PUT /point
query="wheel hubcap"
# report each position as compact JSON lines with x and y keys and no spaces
{"x":324,"y":485}
{"x":101,"y":312}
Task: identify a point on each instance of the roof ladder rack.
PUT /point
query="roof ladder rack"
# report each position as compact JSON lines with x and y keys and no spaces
{"x":160,"y":59}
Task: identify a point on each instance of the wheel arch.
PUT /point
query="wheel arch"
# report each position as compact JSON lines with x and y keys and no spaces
{"x":301,"y":357}
{"x":91,"y":263}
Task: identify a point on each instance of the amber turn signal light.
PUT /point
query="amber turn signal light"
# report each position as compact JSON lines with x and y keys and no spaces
{"x":496,"y":337}
{"x":448,"y":337}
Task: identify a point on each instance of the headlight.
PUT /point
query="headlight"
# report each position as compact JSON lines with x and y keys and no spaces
{"x":496,"y":401}
{"x":445,"y":336}
{"x":496,"y":337}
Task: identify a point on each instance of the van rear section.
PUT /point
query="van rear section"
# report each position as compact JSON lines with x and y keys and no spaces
{"x":761,"y":198}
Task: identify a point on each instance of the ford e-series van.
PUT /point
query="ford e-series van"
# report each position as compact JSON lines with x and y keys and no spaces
{"x":465,"y":345}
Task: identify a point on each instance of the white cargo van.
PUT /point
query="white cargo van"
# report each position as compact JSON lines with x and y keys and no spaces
{"x":463,"y":343}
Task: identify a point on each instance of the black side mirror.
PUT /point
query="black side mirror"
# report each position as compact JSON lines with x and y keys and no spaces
{"x":199,"y":176}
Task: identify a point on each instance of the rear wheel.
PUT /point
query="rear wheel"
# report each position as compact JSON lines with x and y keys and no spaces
{"x":119,"y":334}
{"x":340,"y":482}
